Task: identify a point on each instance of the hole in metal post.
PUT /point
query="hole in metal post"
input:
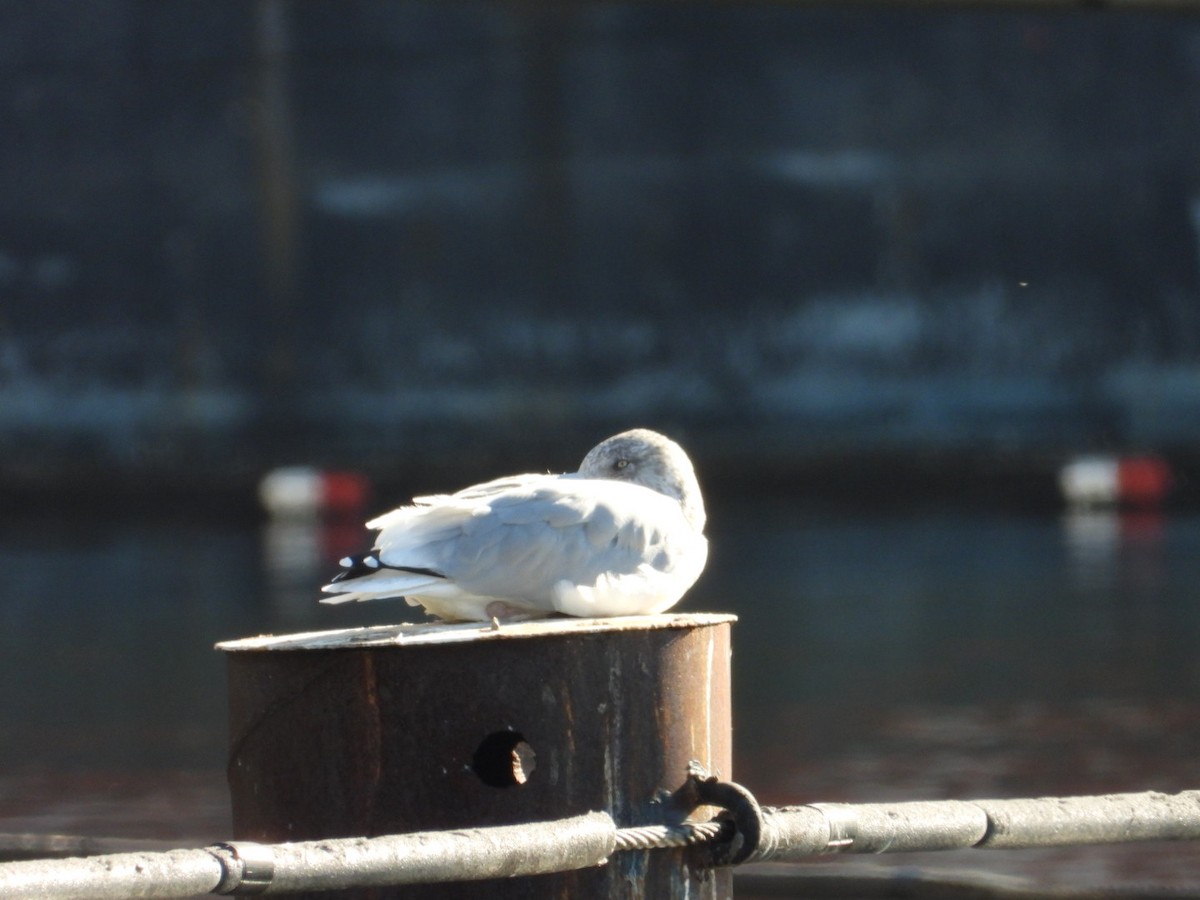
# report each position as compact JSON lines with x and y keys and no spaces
{"x":503,"y":759}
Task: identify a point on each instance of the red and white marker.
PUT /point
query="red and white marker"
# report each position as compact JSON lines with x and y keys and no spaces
{"x":1115,"y":481}
{"x":306,"y":491}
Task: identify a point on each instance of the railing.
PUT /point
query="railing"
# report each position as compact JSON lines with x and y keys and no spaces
{"x":744,"y":833}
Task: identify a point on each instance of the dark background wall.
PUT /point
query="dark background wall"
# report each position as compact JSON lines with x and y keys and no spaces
{"x":360,"y":233}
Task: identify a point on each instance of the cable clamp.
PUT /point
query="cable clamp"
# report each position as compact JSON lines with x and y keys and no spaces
{"x":247,"y":867}
{"x":843,"y":825}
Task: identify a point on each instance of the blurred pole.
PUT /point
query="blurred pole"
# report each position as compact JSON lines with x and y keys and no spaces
{"x":277,"y":190}
{"x":547,"y":32}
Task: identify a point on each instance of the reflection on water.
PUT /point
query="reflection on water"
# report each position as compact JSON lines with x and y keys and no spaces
{"x":915,"y":654}
{"x":1106,"y":548}
{"x":300,"y":553}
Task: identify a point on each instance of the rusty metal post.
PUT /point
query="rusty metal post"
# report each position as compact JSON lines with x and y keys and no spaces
{"x":393,"y":729}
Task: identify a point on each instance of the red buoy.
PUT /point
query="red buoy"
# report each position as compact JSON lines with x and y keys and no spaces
{"x":1143,"y":480}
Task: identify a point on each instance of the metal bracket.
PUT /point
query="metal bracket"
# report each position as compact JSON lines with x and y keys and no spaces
{"x":740,"y":808}
{"x":247,"y":867}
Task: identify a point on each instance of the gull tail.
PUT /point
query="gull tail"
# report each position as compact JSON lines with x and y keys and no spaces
{"x":367,"y":577}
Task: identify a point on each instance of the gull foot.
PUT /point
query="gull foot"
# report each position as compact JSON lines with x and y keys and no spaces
{"x":500,"y":612}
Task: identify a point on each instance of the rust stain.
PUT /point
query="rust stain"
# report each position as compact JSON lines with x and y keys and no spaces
{"x":568,"y":731}
{"x":711,"y":646}
{"x":612,"y":761}
{"x":373,"y":749}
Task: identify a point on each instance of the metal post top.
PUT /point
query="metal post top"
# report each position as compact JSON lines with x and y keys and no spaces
{"x":430,"y":633}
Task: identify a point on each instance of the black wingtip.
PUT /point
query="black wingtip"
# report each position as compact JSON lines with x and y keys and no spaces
{"x":357,"y":566}
{"x":369,"y":564}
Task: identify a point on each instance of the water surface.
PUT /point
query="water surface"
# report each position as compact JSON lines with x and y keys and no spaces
{"x":927,"y":652}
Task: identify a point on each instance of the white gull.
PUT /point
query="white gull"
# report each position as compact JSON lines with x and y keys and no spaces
{"x":622,"y":536}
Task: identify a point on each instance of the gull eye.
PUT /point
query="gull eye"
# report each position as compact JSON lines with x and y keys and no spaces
{"x":621,"y":464}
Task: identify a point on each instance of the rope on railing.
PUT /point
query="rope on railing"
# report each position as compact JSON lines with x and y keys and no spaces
{"x":663,"y":837}
{"x":745,"y":832}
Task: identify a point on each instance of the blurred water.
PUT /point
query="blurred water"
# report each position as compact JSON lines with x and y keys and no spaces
{"x":905,"y":654}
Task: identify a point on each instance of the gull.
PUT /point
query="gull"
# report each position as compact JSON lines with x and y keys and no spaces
{"x":622,"y":536}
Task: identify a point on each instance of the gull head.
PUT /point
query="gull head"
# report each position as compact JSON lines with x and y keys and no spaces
{"x":652,"y":460}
